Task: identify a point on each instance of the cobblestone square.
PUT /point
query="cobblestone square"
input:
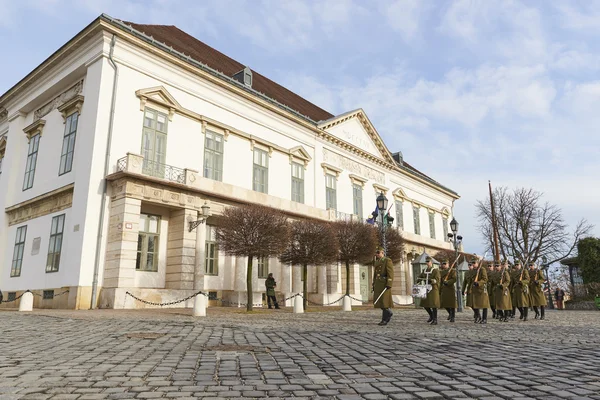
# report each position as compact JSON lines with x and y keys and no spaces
{"x":327,"y":354}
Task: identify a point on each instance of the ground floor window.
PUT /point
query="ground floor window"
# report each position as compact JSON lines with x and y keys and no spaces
{"x":148,"y":240}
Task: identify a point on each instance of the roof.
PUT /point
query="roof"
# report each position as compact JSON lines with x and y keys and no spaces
{"x":200,"y":51}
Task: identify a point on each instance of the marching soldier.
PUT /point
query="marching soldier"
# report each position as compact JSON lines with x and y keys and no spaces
{"x":536,"y":282}
{"x":383,"y":276}
{"x":447,"y":290}
{"x":513,"y":271}
{"x":502,"y":293}
{"x":431,"y":276}
{"x":468,"y":289}
{"x":480,"y":296}
{"x":492,"y":281}
{"x":520,"y":284}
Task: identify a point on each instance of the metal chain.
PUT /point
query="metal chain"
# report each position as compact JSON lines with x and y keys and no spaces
{"x":354,"y":298}
{"x":16,"y":298}
{"x":170,"y":303}
{"x":53,"y":296}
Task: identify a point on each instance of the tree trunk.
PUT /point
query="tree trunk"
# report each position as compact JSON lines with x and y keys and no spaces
{"x":347,"y":277}
{"x":249,"y":285}
{"x":305,"y":286}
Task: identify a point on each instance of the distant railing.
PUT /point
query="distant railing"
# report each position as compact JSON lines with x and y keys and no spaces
{"x":151,"y":168}
{"x":335,"y":215}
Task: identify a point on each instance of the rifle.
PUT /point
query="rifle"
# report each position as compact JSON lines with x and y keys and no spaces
{"x":479,"y":268}
{"x":450,"y":269}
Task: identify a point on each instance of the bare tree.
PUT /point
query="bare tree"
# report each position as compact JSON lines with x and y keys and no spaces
{"x":311,"y":243}
{"x":450,"y":255}
{"x":528,"y":228}
{"x":252,"y":231}
{"x":395,"y":243}
{"x":356,"y":243}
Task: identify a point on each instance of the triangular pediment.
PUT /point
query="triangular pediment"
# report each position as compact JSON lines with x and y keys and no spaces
{"x":300,"y":153}
{"x":158,"y":95}
{"x":355,"y":128}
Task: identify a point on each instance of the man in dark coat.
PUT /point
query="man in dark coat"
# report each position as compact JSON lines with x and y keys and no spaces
{"x":383,"y":277}
{"x":559,"y":295}
{"x":270,"y":284}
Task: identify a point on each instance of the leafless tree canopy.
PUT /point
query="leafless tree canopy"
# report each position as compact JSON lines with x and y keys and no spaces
{"x":311,"y":243}
{"x":528,"y":228}
{"x":395,"y":243}
{"x":450,"y":255}
{"x":253,"y":231}
{"x":356,"y":241}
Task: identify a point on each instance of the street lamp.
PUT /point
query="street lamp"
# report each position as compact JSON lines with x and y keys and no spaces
{"x":547,"y":268}
{"x":382,"y":203}
{"x":193,"y":224}
{"x":456,"y":241}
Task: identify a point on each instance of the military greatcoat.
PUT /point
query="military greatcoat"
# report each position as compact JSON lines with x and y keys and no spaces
{"x":502,"y":293}
{"x":270,"y":286}
{"x":383,"y":275}
{"x":480,"y":295}
{"x":467,"y":281}
{"x":447,"y":289}
{"x":520,"y":280}
{"x":536,"y":284}
{"x":493,"y":279}
{"x":433,"y":296}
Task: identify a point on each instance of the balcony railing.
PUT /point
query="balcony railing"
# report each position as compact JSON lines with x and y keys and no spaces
{"x":335,"y":215}
{"x":137,"y":164}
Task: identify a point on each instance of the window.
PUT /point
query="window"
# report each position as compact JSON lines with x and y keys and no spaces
{"x":212,"y":251}
{"x":17,"y":260}
{"x":68,"y":147}
{"x":399,"y":215}
{"x":55,"y":246}
{"x":48,"y":294}
{"x":154,"y":143}
{"x":213,"y":156}
{"x":416,"y":220}
{"x":263,"y":267}
{"x":330,"y":192}
{"x":34,"y":144}
{"x":261,"y":171}
{"x":148,"y":242}
{"x":432,"y":224}
{"x":12,"y":296}
{"x":358,"y":203}
{"x":445,"y":226}
{"x":297,"y":182}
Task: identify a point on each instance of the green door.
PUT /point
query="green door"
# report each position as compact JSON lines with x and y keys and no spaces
{"x":364,"y":283}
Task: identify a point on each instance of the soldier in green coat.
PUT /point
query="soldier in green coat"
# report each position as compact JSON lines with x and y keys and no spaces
{"x":480,"y":295}
{"x":270,"y":284}
{"x":447,"y":290}
{"x":468,"y":288}
{"x":520,"y":283}
{"x":431,"y":276}
{"x":502,"y":294}
{"x":383,"y":277}
{"x":492,"y":278}
{"x":536,"y":290}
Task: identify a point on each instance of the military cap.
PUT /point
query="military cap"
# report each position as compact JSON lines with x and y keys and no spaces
{"x":517,"y":262}
{"x":504,"y":261}
{"x":473,"y":260}
{"x":379,"y":248}
{"x":427,"y":259}
{"x":497,"y":263}
{"x":531,"y":263}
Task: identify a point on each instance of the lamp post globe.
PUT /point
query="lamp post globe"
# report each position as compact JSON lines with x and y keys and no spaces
{"x":382,"y":202}
{"x":454,"y":225}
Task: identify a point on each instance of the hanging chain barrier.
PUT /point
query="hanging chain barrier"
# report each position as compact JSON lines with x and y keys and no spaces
{"x":16,"y":298}
{"x":170,"y":303}
{"x":35,"y":294}
{"x":47,"y":297}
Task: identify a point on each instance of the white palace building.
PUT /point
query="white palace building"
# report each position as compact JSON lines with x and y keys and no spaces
{"x":113,"y":145}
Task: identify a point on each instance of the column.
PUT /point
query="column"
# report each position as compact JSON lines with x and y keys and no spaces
{"x":181,"y":250}
{"x":322,"y":281}
{"x":239,"y":295}
{"x":121,"y":248}
{"x":296,"y":279}
{"x":332,"y":278}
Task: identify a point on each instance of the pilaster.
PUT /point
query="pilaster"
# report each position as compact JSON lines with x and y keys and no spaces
{"x":181,"y":250}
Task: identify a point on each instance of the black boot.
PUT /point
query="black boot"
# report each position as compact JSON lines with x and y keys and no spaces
{"x":389,"y":315}
{"x":537,"y":313}
{"x":434,"y":311}
{"x":484,"y":319}
{"x":500,"y":315}
{"x":521,"y":312}
{"x":477,"y":316}
{"x":513,"y":312}
{"x":449,"y":310}
{"x":525,"y":312}
{"x":452,"y":314}
{"x":542,"y":311}
{"x":430,"y":314}
{"x":383,"y":317}
{"x":494,"y":313}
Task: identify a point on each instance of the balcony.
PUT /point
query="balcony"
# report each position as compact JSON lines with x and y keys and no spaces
{"x":335,"y":215}
{"x":136,"y":164}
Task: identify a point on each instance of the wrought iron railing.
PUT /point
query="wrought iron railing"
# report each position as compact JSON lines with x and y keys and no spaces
{"x":341,"y":216}
{"x":163,"y":171}
{"x":122,"y":164}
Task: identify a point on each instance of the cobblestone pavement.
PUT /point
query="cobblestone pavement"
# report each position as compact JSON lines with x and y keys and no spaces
{"x":146,"y":354}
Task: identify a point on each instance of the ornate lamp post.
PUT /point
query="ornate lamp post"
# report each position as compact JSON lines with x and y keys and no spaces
{"x":382,"y":203}
{"x":456,"y":241}
{"x":547,"y":268}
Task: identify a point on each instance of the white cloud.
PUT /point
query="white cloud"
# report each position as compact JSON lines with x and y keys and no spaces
{"x":404,"y":16}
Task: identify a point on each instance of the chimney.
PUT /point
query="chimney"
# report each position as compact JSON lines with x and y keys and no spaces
{"x":244,"y":76}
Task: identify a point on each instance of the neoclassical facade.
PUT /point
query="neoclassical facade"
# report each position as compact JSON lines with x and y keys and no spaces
{"x":114,"y":146}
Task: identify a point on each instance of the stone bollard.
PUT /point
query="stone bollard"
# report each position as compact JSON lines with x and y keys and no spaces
{"x":298,"y":306}
{"x":26,"y":302}
{"x":200,"y":302}
{"x":346,"y":304}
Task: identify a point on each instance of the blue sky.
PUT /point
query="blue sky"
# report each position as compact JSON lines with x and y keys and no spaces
{"x":469,"y":91}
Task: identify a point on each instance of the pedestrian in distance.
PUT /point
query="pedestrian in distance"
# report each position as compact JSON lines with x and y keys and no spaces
{"x":270,"y":284}
{"x":559,"y":295}
{"x":383,"y":277}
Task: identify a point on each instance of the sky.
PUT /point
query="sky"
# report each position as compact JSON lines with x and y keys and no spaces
{"x":467,"y":90}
